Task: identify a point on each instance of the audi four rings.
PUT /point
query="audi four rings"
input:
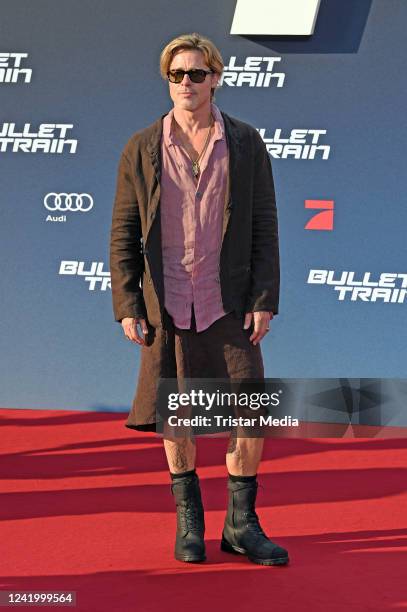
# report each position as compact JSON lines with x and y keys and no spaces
{"x":68,"y":201}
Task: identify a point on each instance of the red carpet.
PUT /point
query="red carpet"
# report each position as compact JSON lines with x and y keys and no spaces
{"x":86,"y":506}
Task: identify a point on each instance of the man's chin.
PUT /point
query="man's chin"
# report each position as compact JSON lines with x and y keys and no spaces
{"x":187,"y":105}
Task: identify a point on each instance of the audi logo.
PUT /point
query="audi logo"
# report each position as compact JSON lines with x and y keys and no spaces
{"x":68,"y":201}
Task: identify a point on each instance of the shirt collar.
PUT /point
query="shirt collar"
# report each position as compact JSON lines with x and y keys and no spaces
{"x":171,"y":139}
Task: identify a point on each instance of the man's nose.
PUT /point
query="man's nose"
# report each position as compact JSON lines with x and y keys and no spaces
{"x":186,"y":75}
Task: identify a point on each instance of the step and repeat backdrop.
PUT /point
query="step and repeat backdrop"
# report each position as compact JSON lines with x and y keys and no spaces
{"x":325,"y":85}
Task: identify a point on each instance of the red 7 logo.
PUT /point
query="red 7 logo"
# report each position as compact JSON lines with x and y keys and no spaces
{"x":323,"y":220}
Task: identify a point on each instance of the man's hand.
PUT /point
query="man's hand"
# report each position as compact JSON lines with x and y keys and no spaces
{"x":262,"y":320}
{"x":130,"y":329}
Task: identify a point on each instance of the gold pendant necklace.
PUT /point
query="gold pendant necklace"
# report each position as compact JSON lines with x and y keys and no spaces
{"x":195,"y":164}
{"x":195,"y":168}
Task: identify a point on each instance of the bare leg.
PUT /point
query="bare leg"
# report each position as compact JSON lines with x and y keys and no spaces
{"x":243,"y":455}
{"x":180,"y":453}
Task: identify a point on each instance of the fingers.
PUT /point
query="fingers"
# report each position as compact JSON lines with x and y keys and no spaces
{"x":261,"y":326}
{"x":131,"y":330}
{"x":247,"y":320}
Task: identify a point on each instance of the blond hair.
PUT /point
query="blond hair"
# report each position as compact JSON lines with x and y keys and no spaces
{"x":192,"y":41}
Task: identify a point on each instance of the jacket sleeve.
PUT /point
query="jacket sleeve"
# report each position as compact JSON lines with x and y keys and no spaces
{"x":126,"y":257}
{"x":265,"y":259}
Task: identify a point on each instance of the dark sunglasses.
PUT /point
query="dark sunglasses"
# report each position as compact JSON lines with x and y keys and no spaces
{"x":197,"y":75}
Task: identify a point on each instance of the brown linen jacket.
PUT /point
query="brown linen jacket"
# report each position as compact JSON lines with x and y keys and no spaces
{"x":249,"y":268}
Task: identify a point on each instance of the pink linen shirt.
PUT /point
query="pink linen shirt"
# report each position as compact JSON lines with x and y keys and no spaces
{"x":191,"y":225}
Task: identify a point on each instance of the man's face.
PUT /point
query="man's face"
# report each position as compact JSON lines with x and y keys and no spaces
{"x":188,"y":95}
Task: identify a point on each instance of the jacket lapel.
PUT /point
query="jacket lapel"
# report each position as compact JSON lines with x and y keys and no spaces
{"x":234,"y":148}
{"x":154,"y":189}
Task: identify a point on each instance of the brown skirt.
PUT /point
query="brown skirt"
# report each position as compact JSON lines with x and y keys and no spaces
{"x":223,"y":350}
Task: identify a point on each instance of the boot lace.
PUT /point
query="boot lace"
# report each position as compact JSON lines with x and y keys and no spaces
{"x":253,"y":523}
{"x":189,"y":518}
{"x":252,"y":519}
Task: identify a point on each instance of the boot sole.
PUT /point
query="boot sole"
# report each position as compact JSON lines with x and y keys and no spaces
{"x":236,"y":550}
{"x":190,"y":559}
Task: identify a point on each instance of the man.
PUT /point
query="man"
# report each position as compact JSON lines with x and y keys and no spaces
{"x":195,"y":264}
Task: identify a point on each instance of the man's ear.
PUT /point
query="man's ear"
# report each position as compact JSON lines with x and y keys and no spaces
{"x":215,"y":79}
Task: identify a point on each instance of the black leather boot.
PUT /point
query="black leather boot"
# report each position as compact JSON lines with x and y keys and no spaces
{"x":189,"y":543}
{"x":242,"y":533}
